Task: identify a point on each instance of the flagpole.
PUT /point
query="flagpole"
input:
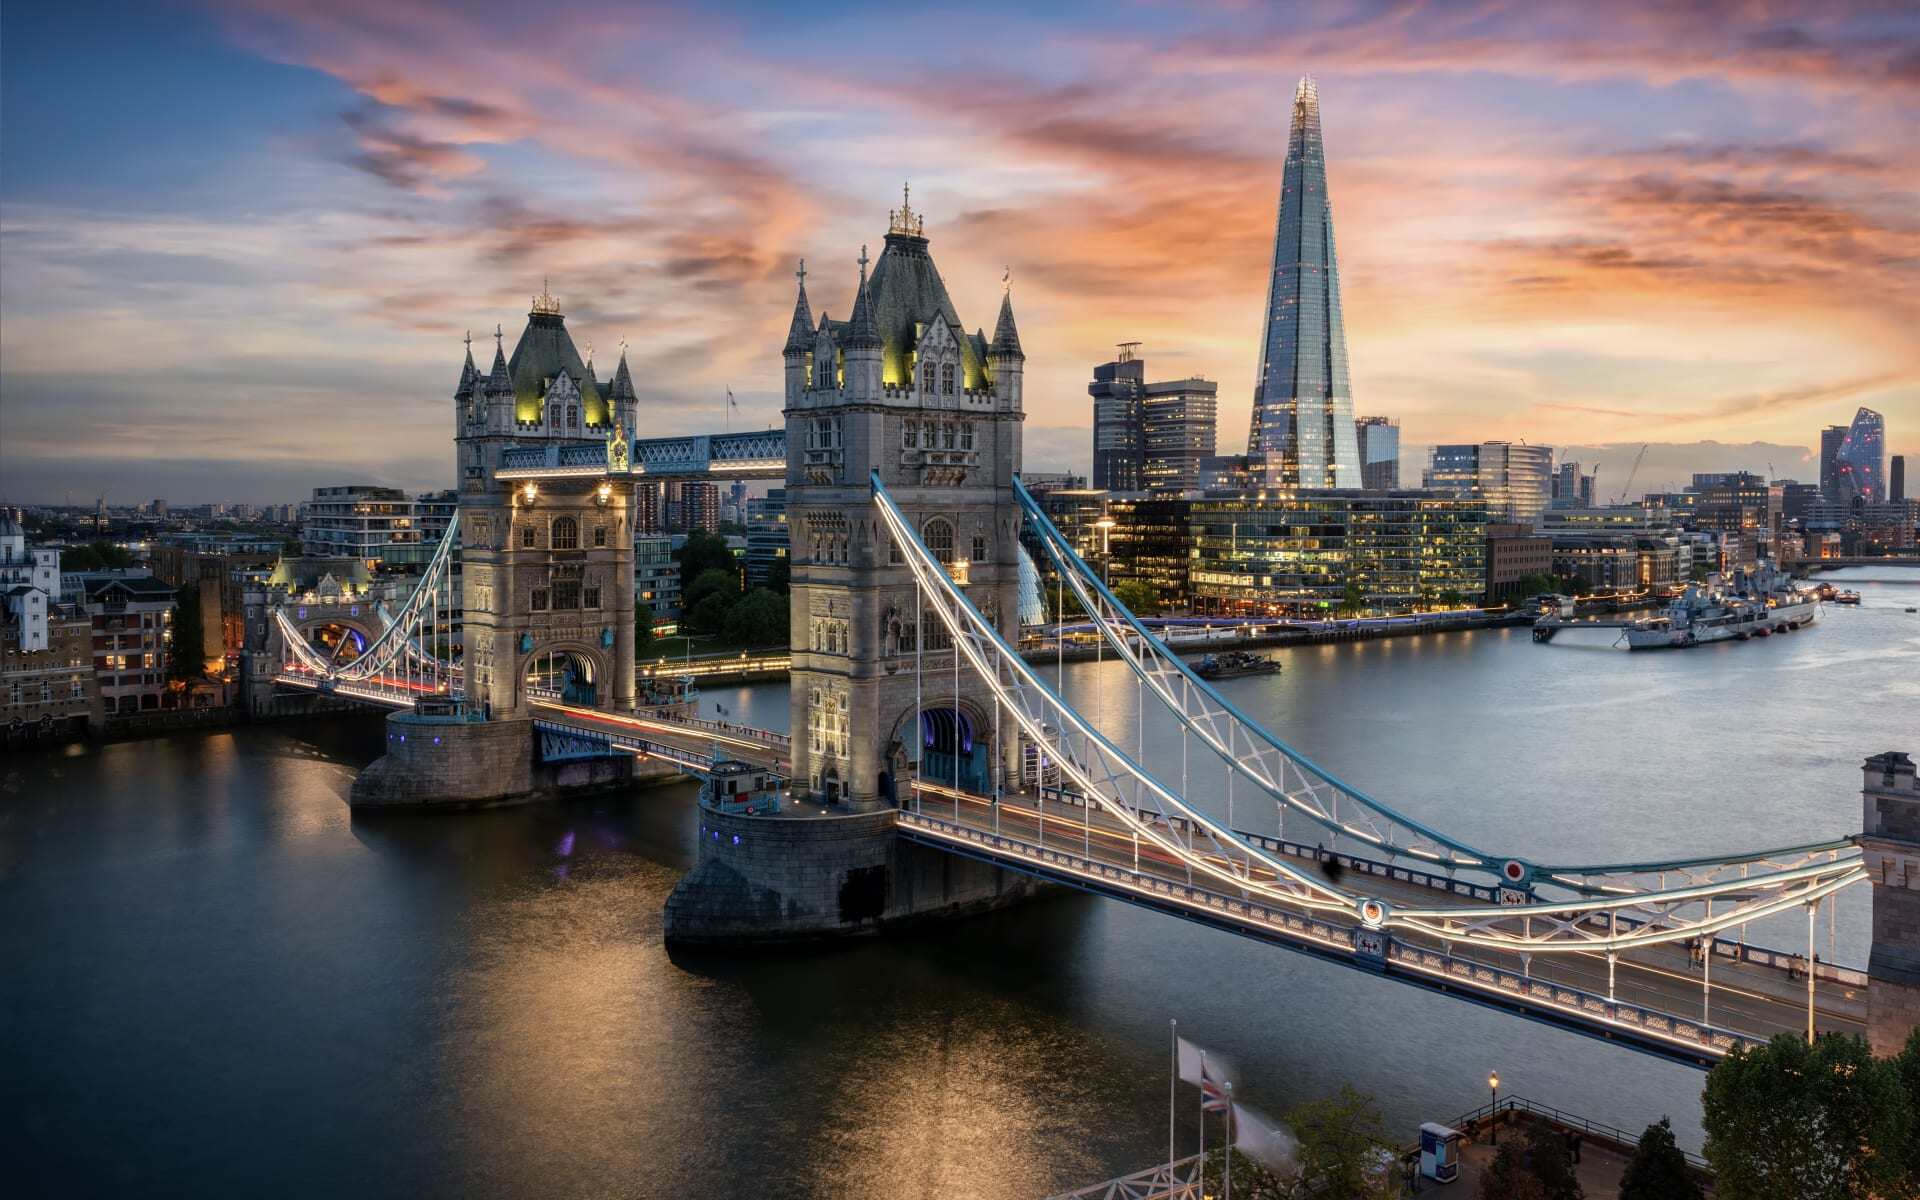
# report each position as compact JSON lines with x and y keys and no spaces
{"x":1229,"y":1195}
{"x":1202,"y":1185}
{"x":1173,"y":1079}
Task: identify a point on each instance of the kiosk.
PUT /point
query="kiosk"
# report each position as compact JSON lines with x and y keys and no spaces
{"x":1439,"y":1153}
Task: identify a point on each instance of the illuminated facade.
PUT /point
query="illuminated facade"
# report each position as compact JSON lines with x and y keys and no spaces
{"x":902,"y":389}
{"x":1379,"y":453}
{"x":1515,"y":481}
{"x":1860,"y":460}
{"x":1294,"y":553}
{"x":1302,"y":398}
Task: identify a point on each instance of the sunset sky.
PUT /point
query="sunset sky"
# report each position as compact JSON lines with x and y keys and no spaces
{"x":239,"y":243}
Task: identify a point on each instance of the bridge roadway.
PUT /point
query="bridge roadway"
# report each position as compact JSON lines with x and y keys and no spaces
{"x":1656,"y":997}
{"x":686,"y":741}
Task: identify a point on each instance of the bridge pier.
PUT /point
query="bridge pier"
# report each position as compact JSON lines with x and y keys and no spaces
{"x":1890,"y":838}
{"x":455,"y":762}
{"x":771,"y":879}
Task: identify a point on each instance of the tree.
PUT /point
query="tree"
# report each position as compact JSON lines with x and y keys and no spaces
{"x":1341,"y":1139}
{"x":704,"y":552}
{"x":642,"y":627}
{"x":186,"y":657}
{"x":1138,"y":596}
{"x":1539,"y":584}
{"x":779,"y":577}
{"x":1534,"y":1164}
{"x":1453,"y":599}
{"x":95,"y":556}
{"x":1353,"y":597}
{"x":1825,"y":1121}
{"x":1906,"y":1065}
{"x":758,"y":618}
{"x":710,"y":583}
{"x":1658,"y":1170}
{"x":710,"y":614}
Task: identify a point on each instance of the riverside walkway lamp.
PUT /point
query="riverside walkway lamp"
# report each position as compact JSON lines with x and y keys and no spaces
{"x":1493,"y":1112}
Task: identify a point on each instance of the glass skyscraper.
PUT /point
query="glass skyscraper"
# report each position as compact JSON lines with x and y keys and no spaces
{"x":1302,"y":398}
{"x":1859,"y":465}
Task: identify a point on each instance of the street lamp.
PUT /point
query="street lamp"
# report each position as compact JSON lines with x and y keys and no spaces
{"x":1493,"y":1113}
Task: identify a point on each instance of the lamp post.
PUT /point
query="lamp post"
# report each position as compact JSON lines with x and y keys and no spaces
{"x":1493,"y":1113}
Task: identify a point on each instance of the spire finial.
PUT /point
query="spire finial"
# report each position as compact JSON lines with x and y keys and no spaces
{"x":904,"y":220}
{"x":623,"y":345}
{"x":863,"y":262}
{"x":801,"y":274}
{"x":469,"y":341}
{"x":544,"y":303}
{"x":1006,"y":280}
{"x":589,"y":349}
{"x":497,"y":335}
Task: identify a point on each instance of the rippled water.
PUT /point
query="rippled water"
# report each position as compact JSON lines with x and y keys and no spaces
{"x":215,"y":982}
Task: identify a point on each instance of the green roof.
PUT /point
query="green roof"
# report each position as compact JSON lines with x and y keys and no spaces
{"x":544,"y":351}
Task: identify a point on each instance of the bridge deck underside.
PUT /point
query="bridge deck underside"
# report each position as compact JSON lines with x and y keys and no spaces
{"x":1656,"y":997}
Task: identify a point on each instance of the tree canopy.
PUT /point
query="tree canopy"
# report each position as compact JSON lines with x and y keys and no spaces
{"x":1658,"y":1170}
{"x":95,"y":556}
{"x":758,"y":618}
{"x":704,"y":552}
{"x":185,"y":653}
{"x":1139,"y":597}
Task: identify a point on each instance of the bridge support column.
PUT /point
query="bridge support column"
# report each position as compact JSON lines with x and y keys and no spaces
{"x":1890,"y":837}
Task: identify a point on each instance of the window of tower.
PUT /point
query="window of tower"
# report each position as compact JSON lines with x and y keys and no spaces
{"x":526,"y":536}
{"x":566,"y":533}
{"x":573,"y":415}
{"x":966,"y":436}
{"x":910,"y":434}
{"x":946,"y":435}
{"x":946,"y":379}
{"x":938,"y":535}
{"x":590,"y":597}
{"x":539,"y":602}
{"x":599,"y":535}
{"x":926,"y":378}
{"x":979,"y":548}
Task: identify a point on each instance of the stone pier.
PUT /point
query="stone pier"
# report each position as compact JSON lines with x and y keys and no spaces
{"x":769,"y":879}
{"x":1890,"y":836}
{"x":455,"y":762}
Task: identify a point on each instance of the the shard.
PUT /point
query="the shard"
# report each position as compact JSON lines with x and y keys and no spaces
{"x":1302,"y":398}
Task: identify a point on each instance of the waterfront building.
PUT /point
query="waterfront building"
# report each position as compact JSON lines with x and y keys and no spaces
{"x":29,"y":584}
{"x":1039,"y":483}
{"x":1149,"y":540}
{"x":1797,"y":499}
{"x":51,"y":690}
{"x":1830,"y":439}
{"x":131,"y":623}
{"x":767,"y":541}
{"x":1296,"y":552}
{"x":1514,"y":480}
{"x":656,"y":574}
{"x":1897,"y":478}
{"x":1077,"y":513}
{"x":1302,"y":421}
{"x":692,"y":507}
{"x":1513,"y":553}
{"x":1119,"y":437}
{"x":1859,"y":463}
{"x":1379,"y":452}
{"x":382,"y":526}
{"x":1736,"y":501}
{"x":1231,"y":474}
{"x":219,"y":581}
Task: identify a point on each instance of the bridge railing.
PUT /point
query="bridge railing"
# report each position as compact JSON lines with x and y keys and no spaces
{"x":1595,"y":1129}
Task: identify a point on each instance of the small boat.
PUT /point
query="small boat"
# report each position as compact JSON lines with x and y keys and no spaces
{"x":1846,"y":597}
{"x":1233,"y":663}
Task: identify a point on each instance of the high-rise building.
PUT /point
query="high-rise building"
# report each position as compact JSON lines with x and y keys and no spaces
{"x":1379,"y":452}
{"x":1302,"y":398}
{"x":1859,"y":464}
{"x":1149,"y":540}
{"x":1830,"y":439}
{"x":1149,"y":437}
{"x":1177,"y":431}
{"x":1897,"y":478}
{"x":1119,"y":439}
{"x":378,"y":525}
{"x":1571,"y":489}
{"x":1514,"y":479}
{"x":767,"y":540}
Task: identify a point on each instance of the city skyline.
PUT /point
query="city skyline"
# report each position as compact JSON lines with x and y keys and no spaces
{"x":260,"y":234}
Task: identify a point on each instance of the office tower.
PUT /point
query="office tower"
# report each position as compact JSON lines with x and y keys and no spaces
{"x":1897,"y":478}
{"x":1177,"y":431}
{"x":1513,"y":478}
{"x":1302,"y":398}
{"x":1859,"y":464}
{"x":1379,"y":452}
{"x":1830,"y":439}
{"x":1118,"y":438}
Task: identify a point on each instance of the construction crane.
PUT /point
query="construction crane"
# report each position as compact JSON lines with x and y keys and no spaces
{"x":1637,"y":459}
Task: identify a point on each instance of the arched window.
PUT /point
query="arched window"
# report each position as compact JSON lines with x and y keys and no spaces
{"x":938,"y":534}
{"x":946,"y":379}
{"x":926,"y":378}
{"x":566,"y":533}
{"x":573,"y":416}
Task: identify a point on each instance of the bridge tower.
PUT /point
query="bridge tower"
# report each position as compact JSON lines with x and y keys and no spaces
{"x":899,"y":387}
{"x":547,"y":565}
{"x":1890,"y":838}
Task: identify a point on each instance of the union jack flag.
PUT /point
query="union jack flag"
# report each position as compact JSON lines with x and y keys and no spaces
{"x":1209,"y":1073}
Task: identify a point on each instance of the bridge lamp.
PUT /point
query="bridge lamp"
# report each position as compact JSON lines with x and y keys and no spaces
{"x":530,"y":491}
{"x":605,"y":492}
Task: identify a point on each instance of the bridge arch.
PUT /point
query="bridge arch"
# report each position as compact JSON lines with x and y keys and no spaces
{"x":952,"y":742}
{"x":342,"y":634}
{"x":574,"y":672}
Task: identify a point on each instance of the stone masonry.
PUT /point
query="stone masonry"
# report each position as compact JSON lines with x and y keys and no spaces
{"x":1890,"y":837}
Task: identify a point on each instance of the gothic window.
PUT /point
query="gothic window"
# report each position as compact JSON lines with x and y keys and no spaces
{"x":926,"y":378}
{"x":526,"y":536}
{"x":599,"y":535}
{"x":825,"y":434}
{"x":979,"y":548}
{"x":938,"y":534}
{"x":910,"y":434}
{"x":946,"y":435}
{"x":539,"y":601}
{"x":573,"y":416}
{"x":946,"y":379}
{"x":554,"y":414}
{"x":966,"y":435}
{"x":566,"y":533}
{"x":590,"y":597}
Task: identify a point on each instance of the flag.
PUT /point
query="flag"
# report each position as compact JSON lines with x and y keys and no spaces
{"x":731,"y":402}
{"x":1209,"y":1073}
{"x":1260,"y":1139}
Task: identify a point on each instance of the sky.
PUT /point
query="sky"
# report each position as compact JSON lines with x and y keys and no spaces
{"x":240,"y":242}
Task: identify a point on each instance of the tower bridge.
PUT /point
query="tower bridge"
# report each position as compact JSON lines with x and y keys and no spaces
{"x":943,"y":773}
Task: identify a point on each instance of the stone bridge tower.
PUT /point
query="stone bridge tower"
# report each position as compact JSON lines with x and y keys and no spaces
{"x":547,"y":565}
{"x":1890,"y":837}
{"x":899,"y":387}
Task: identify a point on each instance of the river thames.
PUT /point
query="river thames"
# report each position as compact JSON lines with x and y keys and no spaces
{"x":216,"y":982}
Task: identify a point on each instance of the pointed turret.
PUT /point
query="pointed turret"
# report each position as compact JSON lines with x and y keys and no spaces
{"x":622,"y":385}
{"x":469,"y":374}
{"x":800,"y":332}
{"x":499,"y":380}
{"x":861,"y":334}
{"x":1006,"y":338}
